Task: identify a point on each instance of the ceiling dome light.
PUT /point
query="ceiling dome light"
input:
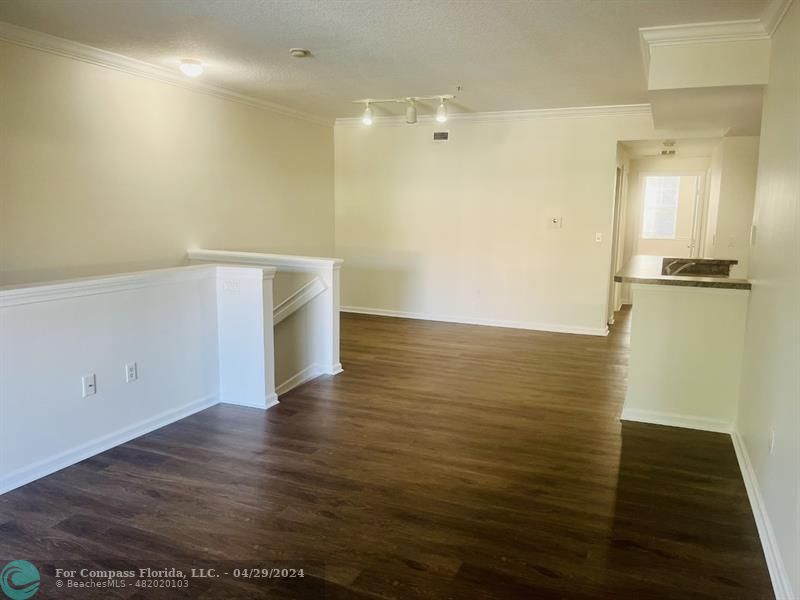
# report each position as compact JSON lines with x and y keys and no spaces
{"x":441,"y":112}
{"x":411,"y":111}
{"x":300,"y":52}
{"x":366,"y":118}
{"x":191,"y":67}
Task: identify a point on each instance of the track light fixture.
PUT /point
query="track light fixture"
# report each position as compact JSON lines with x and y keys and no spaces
{"x":441,"y":112}
{"x":411,"y":111}
{"x":191,"y":67}
{"x":367,"y":117}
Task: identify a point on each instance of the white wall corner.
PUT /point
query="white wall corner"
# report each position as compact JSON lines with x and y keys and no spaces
{"x":243,"y":352}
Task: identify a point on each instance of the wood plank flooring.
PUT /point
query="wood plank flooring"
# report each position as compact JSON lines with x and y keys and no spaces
{"x":447,"y":461}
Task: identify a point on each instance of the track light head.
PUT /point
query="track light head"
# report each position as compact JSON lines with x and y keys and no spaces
{"x":191,"y":67}
{"x":441,"y":112}
{"x":366,"y":118}
{"x":411,"y":111}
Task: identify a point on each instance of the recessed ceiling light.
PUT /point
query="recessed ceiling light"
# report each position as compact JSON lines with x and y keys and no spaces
{"x":191,"y":67}
{"x":300,"y":52}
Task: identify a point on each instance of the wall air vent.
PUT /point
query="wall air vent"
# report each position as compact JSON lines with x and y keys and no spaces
{"x":441,"y":136}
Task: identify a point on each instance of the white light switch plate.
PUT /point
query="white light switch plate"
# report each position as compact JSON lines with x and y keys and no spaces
{"x":89,"y":383}
{"x":131,"y":372}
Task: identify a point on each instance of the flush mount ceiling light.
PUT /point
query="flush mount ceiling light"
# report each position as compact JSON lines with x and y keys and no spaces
{"x":191,"y":67}
{"x":411,"y":107}
{"x":300,"y":52}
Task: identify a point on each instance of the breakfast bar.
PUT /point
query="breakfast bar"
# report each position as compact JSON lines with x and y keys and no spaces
{"x":687,"y":338}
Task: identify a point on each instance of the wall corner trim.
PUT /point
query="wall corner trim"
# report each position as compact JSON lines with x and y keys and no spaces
{"x":775,"y":564}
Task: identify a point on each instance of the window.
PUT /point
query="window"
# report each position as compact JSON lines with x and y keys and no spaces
{"x":660,"y":207}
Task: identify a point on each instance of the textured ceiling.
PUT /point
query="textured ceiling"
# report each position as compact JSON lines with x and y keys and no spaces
{"x":507,"y":55}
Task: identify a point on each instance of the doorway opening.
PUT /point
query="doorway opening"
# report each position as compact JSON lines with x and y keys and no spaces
{"x":661,"y":204}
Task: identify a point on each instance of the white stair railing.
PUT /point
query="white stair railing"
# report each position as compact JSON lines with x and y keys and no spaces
{"x":306,"y":344}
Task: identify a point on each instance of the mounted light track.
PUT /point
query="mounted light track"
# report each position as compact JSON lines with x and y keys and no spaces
{"x":411,"y":111}
{"x":366,"y":118}
{"x":441,"y":112}
{"x":411,"y":107}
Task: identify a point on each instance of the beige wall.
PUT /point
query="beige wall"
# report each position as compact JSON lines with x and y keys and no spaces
{"x":105,"y":172}
{"x":459,"y":230}
{"x":770,"y":399}
{"x":729,"y":226}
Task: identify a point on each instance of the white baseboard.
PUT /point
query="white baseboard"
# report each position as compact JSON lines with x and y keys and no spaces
{"x":69,"y":457}
{"x":298,"y":378}
{"x":600,"y":331}
{"x":268,"y":401}
{"x":675,"y":420}
{"x":775,"y":564}
{"x":335,"y":369}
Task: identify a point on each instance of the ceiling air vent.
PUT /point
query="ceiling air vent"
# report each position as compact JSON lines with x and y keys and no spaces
{"x":441,"y":136}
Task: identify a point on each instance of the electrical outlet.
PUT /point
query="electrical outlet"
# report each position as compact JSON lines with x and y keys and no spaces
{"x":131,"y":372}
{"x":89,"y":383}
{"x":771,"y":441}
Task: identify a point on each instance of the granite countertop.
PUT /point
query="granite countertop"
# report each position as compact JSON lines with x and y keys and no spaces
{"x":647,"y":269}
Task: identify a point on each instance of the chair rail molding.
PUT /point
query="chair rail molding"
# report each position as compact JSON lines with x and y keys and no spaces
{"x":196,"y":333}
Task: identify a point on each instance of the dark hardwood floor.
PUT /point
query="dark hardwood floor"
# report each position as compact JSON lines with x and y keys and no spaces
{"x":447,"y":461}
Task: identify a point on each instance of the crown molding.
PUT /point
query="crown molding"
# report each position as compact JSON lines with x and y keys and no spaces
{"x":125,"y":64}
{"x":714,"y":32}
{"x":623,"y":110}
{"x":773,"y":15}
{"x":704,"y":33}
{"x":698,"y":33}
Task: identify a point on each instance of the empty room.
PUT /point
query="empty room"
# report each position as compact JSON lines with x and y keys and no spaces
{"x":400,"y":299}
